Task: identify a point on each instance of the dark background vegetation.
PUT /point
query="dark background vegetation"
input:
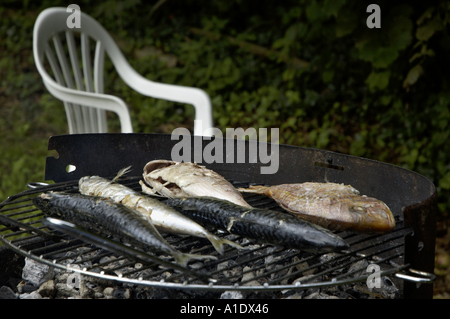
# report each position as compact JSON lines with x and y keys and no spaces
{"x":312,"y":68}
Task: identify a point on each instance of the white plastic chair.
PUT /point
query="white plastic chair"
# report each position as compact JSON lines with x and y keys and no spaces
{"x":83,"y":97}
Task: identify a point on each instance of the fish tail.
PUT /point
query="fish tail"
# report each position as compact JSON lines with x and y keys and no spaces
{"x":182,"y":259}
{"x":121,"y":172}
{"x":218,"y":243}
{"x":259,"y":189}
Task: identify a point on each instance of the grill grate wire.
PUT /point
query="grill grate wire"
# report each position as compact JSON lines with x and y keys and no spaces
{"x":259,"y":267}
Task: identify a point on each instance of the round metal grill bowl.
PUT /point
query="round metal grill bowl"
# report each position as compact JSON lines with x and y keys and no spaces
{"x":258,"y":267}
{"x":398,"y":254}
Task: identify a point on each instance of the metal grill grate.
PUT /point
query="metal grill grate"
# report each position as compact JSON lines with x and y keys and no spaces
{"x":259,"y":267}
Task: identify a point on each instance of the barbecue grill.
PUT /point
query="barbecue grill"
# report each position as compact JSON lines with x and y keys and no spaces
{"x":404,"y":257}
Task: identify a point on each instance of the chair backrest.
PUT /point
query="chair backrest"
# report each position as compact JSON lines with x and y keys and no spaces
{"x":50,"y":26}
{"x":82,"y":91}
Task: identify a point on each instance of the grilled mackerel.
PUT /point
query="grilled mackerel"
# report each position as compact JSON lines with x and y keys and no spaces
{"x":331,"y":205}
{"x":263,"y":225}
{"x":163,"y":217}
{"x":174,"y":179}
{"x":115,"y":219}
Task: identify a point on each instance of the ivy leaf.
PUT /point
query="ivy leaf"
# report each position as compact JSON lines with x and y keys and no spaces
{"x":327,"y":76}
{"x":444,"y":182}
{"x":411,"y":157}
{"x":346,"y":23}
{"x":426,"y":15}
{"x":427,"y":30}
{"x":378,"y":80}
{"x":384,"y":56}
{"x":331,"y":7}
{"x":357,"y":148}
{"x":400,"y":32}
{"x":313,"y":12}
{"x":372,"y":50}
{"x":412,"y":76}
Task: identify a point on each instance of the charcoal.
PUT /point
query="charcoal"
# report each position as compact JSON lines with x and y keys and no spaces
{"x":320,"y":295}
{"x":248,"y":276}
{"x":358,"y":268}
{"x":121,"y":293}
{"x":388,"y":289}
{"x":32,"y":295}
{"x":108,"y":292}
{"x":47,"y":289}
{"x":231,"y":294}
{"x":7,"y":293}
{"x":36,"y":273}
{"x":63,"y":290}
{"x":25,"y":287}
{"x":293,"y":295}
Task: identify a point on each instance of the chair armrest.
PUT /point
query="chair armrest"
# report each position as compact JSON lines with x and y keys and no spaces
{"x":103,"y":101}
{"x":176,"y":93}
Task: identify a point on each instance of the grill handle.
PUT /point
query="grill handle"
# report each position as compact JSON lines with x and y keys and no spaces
{"x":419,"y":276}
{"x":33,"y":185}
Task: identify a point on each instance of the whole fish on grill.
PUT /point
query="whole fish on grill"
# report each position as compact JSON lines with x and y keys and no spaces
{"x":114,"y":218}
{"x":330,"y":205}
{"x":175,"y":179}
{"x":163,"y":217}
{"x":266,"y":226}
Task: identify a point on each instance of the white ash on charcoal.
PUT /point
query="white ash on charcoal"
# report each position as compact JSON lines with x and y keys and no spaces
{"x":47,"y":289}
{"x":316,"y":295}
{"x":279,"y":271}
{"x":299,"y":294}
{"x":73,"y":285}
{"x":331,"y":260}
{"x":277,"y":266}
{"x":387,"y":288}
{"x":117,"y":293}
{"x":303,"y":266}
{"x":232,"y":294}
{"x":320,"y":295}
{"x":358,"y":268}
{"x":32,"y":295}
{"x":41,"y":281}
{"x":271,"y":260}
{"x":260,"y":266}
{"x":228,"y":269}
{"x":247,"y":278}
{"x":36,"y":273}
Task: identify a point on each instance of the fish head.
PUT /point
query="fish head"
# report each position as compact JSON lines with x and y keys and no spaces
{"x":40,"y":201}
{"x":83,"y":180}
{"x":373,"y":214}
{"x":44,"y":204}
{"x":163,"y":176}
{"x":85,"y":185}
{"x":156,"y":165}
{"x":92,"y":185}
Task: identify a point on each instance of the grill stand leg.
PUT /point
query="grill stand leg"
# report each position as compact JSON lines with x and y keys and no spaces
{"x":420,"y":247}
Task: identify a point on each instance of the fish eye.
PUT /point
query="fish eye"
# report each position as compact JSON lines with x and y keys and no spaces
{"x":359,"y":209}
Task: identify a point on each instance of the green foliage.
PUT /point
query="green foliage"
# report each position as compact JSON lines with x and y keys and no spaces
{"x":312,"y":68}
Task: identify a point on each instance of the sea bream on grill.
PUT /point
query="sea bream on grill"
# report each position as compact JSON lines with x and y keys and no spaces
{"x":330,"y":205}
{"x":178,"y":179}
